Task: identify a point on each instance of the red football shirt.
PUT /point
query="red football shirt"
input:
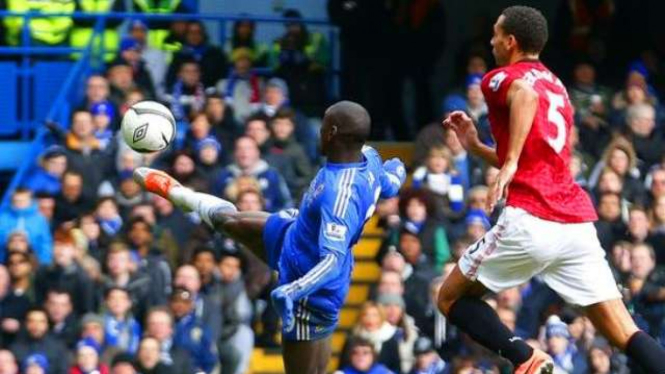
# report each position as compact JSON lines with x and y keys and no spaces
{"x":542,"y":184}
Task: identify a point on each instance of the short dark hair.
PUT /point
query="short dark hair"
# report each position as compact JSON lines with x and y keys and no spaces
{"x":204,"y":249}
{"x":527,"y":25}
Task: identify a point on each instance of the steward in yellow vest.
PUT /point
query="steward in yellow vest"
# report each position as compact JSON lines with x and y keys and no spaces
{"x":43,"y":30}
{"x":83,"y":28}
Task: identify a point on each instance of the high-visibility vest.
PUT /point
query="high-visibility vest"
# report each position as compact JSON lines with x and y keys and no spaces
{"x":48,"y":30}
{"x":80,"y":36}
{"x":156,"y":36}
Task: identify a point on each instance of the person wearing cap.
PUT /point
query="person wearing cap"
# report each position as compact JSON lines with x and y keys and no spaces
{"x":36,"y":363}
{"x":190,"y":334}
{"x":87,"y":358}
{"x":47,"y":177}
{"x":564,"y":353}
{"x":22,"y":215}
{"x":362,"y":359}
{"x":477,"y":223}
{"x":102,"y":117}
{"x":131,"y":52}
{"x":208,"y":152}
{"x":242,"y":88}
{"x":407,"y":332}
{"x":196,"y":46}
{"x":427,"y":360}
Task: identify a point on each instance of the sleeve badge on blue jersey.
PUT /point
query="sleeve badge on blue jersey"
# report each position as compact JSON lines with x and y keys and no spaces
{"x":335,"y":232}
{"x":496,"y":80}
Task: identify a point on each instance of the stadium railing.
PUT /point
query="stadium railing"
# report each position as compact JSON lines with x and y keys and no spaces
{"x":89,"y":61}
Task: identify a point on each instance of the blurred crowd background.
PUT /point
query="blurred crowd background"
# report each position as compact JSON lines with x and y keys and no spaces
{"x":97,"y":276}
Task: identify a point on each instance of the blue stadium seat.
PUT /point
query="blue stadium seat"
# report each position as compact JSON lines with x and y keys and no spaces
{"x":49,"y":78}
{"x":9,"y":124}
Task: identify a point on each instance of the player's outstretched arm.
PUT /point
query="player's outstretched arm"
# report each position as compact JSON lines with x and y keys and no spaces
{"x":393,"y":177}
{"x":466,"y":132}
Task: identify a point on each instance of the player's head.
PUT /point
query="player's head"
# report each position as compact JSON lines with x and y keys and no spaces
{"x":346,"y":127}
{"x":519,"y":32}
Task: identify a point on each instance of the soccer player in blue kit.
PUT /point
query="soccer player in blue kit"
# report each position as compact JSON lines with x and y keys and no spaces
{"x":310,"y":248}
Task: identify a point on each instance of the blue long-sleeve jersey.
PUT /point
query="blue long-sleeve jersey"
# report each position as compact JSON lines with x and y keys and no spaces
{"x":316,"y":259}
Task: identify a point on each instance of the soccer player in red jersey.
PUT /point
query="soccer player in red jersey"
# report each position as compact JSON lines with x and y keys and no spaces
{"x":547,"y":227}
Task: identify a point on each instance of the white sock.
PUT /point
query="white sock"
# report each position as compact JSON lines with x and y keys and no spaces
{"x":205,"y":205}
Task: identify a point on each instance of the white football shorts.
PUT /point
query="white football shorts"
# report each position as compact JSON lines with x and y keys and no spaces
{"x":568,"y":256}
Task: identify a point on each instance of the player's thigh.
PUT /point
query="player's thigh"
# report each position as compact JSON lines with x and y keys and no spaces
{"x":581,"y":274}
{"x":508,"y":255}
{"x":246,"y":228}
{"x":307,"y":357}
{"x":611,"y":318}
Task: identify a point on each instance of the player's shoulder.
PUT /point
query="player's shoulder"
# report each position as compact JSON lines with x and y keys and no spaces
{"x":499,"y":78}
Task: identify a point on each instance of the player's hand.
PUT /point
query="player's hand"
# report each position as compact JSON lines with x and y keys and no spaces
{"x":284,"y":305}
{"x":395,"y":166}
{"x":499,"y":189}
{"x":464,"y":128}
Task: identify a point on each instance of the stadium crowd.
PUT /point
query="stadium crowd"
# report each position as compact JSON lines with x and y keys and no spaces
{"x":99,"y":277}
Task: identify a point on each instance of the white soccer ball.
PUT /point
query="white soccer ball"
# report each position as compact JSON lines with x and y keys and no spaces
{"x":148,"y":126}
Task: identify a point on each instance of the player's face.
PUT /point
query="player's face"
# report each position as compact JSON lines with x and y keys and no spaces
{"x":500,"y":43}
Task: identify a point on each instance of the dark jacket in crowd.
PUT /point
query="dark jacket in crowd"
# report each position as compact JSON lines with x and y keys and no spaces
{"x":73,"y":280}
{"x":56,"y":353}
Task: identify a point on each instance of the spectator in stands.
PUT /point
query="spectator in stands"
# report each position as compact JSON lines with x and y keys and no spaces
{"x":646,"y":288}
{"x":92,"y":327}
{"x":172,"y":220}
{"x":638,"y":232}
{"x":636,"y":91}
{"x":159,"y":326}
{"x":123,"y":363}
{"x":199,"y":129}
{"x":221,"y":117}
{"x":84,"y":152}
{"x":242,"y":88}
{"x":372,"y":325}
{"x":243,"y":37}
{"x":191,"y":334}
{"x":120,"y":75}
{"x":36,"y":340}
{"x":433,"y":134}
{"x":620,"y":156}
{"x":108,"y":216}
{"x":477,"y":224}
{"x":237,"y":336}
{"x":8,"y":364}
{"x":476,"y":106}
{"x":610,"y":226}
{"x":164,"y":35}
{"x":155,"y":59}
{"x":439,"y":176}
{"x":208,"y":156}
{"x":121,"y":330}
{"x":427,"y":361}
{"x":129,"y":193}
{"x":419,"y":217}
{"x":87,"y":358}
{"x":187,"y":94}
{"x":657,"y":216}
{"x":70,"y":203}
{"x":102,"y":118}
{"x":151,"y":261}
{"x":52,"y":165}
{"x":36,"y":363}
{"x":284,"y":143}
{"x":22,"y":216}
{"x":197,"y":47}
{"x":66,"y":275}
{"x":184,"y":170}
{"x":64,"y":323}
{"x":300,"y":57}
{"x":361,"y":358}
{"x":256,"y":127}
{"x":468,"y":167}
{"x":131,"y":53}
{"x":97,"y":91}
{"x":407,"y":332}
{"x":592,"y":108}
{"x":249,"y":163}
{"x":122,"y":273}
{"x":149,"y":359}
{"x":619,"y":259}
{"x":563,"y":351}
{"x":207,"y":308}
{"x":46,"y":205}
{"x":647,"y":140}
{"x":20,"y":297}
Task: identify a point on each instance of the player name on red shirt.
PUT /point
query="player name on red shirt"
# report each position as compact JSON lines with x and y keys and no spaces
{"x":543,"y":185}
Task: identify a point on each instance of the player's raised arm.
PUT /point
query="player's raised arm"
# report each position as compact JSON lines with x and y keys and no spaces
{"x":393,"y":176}
{"x":466,"y":132}
{"x":522,"y":102}
{"x":338,"y":216}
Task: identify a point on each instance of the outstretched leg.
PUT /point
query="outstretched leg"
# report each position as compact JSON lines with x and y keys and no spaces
{"x":244,"y":227}
{"x":613,"y":321}
{"x":307,"y":357}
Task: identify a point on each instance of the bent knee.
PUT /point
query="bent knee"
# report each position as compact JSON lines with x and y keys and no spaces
{"x":445,"y":301}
